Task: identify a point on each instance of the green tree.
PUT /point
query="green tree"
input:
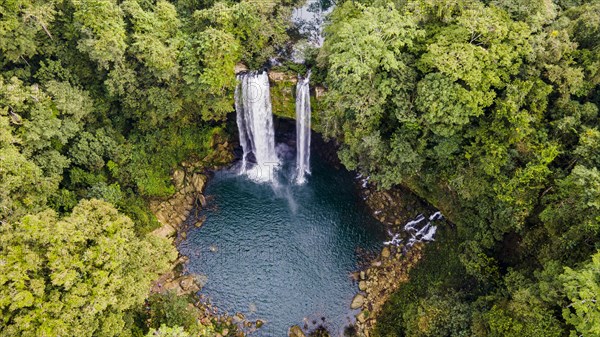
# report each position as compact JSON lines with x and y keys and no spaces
{"x":75,"y":275}
{"x":23,"y":186}
{"x":582,"y":287}
{"x":102,"y":28}
{"x":171,"y":310}
{"x":165,"y":331}
{"x":157,"y":38}
{"x":22,"y":23}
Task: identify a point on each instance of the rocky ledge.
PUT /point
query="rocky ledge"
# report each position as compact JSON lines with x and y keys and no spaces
{"x":389,"y":269}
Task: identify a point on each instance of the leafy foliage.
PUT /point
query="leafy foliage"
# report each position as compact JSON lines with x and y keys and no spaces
{"x":488,"y":109}
{"x":102,"y":100}
{"x":75,"y":275}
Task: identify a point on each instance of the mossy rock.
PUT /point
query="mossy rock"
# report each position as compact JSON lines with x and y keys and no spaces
{"x":283,"y":101}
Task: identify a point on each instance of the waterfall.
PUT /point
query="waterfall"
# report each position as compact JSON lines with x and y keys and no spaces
{"x":302,"y":128}
{"x":255,"y":125}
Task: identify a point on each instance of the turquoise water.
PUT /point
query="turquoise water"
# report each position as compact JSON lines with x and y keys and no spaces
{"x":280,"y":252}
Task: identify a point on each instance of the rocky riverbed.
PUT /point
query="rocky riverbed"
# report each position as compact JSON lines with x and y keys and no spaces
{"x":390,"y":269}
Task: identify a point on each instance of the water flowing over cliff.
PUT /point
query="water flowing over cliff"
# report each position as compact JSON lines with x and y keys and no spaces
{"x":255,"y":125}
{"x":302,"y":129}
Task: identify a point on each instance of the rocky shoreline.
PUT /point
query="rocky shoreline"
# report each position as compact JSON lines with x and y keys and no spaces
{"x":390,"y":269}
{"x":189,"y":181}
{"x":381,"y":277}
{"x":387,"y":271}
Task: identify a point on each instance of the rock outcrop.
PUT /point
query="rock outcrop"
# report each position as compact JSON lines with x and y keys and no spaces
{"x":279,"y":76}
{"x":357,"y":301}
{"x":175,"y":210}
{"x":189,"y":181}
{"x":378,"y":282}
{"x":296,"y":331}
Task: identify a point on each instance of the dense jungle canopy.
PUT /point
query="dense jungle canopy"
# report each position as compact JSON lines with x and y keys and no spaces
{"x":486,"y":109}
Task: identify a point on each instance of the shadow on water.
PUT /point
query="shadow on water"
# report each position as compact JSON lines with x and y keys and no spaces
{"x":282,"y":252}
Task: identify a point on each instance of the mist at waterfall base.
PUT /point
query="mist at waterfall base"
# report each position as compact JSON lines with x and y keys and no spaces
{"x":284,"y":252}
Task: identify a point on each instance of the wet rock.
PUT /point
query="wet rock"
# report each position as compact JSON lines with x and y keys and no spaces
{"x":188,"y":284}
{"x":357,"y":301}
{"x":385,"y":252}
{"x":259,"y":323}
{"x":278,"y":76}
{"x":200,"y":221}
{"x":202,"y":200}
{"x":181,"y":260}
{"x":296,"y":331}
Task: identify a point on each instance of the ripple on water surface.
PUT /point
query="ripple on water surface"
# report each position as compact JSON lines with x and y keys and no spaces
{"x":283,"y":254}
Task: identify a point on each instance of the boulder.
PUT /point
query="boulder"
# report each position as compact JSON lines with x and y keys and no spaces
{"x":385,"y":252}
{"x":362,"y":285}
{"x":240,"y":67}
{"x":319,"y":91}
{"x":197,"y":182}
{"x":182,"y":259}
{"x":361,"y":317}
{"x":296,"y":331}
{"x":178,"y":177}
{"x":278,"y":76}
{"x":202,"y":200}
{"x":187,"y":190}
{"x":357,"y":301}
{"x":188,"y":284}
{"x":165,"y":231}
{"x":200,"y":221}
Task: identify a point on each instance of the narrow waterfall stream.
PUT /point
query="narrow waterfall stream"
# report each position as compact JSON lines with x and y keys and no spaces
{"x":302,"y":129}
{"x":254,"y":119}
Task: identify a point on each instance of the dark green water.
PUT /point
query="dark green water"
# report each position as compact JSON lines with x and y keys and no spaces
{"x":283,"y":254}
